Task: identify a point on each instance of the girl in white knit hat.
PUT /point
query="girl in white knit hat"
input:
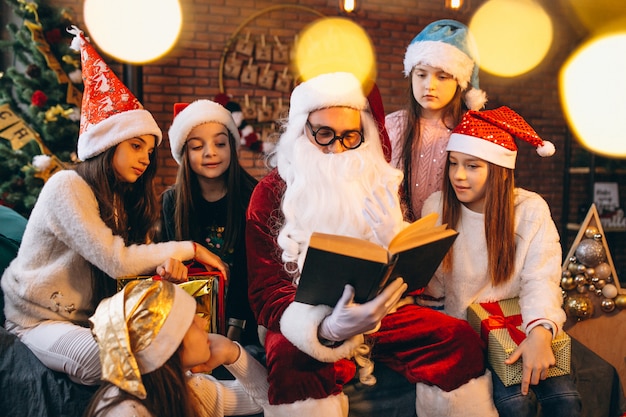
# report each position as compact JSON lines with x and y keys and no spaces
{"x":150,"y":338}
{"x":442,"y":68}
{"x":507,"y":247}
{"x":208,"y":202}
{"x":91,"y":225}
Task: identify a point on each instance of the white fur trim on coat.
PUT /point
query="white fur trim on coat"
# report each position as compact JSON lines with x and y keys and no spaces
{"x":299,"y":325}
{"x":332,"y":406}
{"x":473,"y":399}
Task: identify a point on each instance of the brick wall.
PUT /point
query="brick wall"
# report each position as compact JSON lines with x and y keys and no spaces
{"x":192,"y":70}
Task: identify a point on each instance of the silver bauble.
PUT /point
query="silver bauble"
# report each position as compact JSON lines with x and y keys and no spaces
{"x":590,"y":252}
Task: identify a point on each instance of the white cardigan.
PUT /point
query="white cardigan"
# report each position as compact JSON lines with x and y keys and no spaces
{"x":50,"y":279}
{"x":537,"y":273}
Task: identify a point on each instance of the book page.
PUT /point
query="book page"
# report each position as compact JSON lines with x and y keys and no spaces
{"x":418,"y":233}
{"x":349,"y":246}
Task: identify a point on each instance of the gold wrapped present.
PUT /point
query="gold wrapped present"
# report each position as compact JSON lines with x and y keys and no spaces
{"x":207,"y":287}
{"x":499,"y":325}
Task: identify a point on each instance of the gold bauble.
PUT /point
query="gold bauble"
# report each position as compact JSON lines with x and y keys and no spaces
{"x":591,"y":231}
{"x":572,"y":267}
{"x":567,"y":283}
{"x":579,"y":306}
{"x":620,"y":301}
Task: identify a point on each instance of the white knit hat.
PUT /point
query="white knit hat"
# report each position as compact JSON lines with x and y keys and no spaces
{"x":189,"y":116}
{"x":139,"y":329}
{"x":490,"y":135}
{"x":449,"y":45}
{"x":110,"y":113}
{"x":337,"y":89}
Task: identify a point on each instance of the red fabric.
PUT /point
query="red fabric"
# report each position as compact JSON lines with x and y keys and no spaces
{"x":422,"y":344}
{"x":294,"y":375}
{"x":497,"y":320}
{"x":378,"y":111}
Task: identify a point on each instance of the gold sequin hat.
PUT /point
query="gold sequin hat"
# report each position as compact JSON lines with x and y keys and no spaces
{"x":490,"y":135}
{"x":139,"y":329}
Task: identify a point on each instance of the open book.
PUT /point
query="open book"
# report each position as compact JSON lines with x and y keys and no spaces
{"x":333,"y":261}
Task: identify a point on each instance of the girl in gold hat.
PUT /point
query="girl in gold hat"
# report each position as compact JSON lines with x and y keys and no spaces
{"x":150,"y":340}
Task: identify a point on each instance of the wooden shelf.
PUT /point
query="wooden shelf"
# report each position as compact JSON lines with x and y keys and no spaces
{"x":597,"y":170}
{"x":576,"y":226}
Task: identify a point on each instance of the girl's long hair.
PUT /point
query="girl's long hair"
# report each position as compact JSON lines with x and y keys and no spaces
{"x":452,"y":113}
{"x":130,"y":210}
{"x":167,"y":393}
{"x":188,"y":196}
{"x":499,"y":215}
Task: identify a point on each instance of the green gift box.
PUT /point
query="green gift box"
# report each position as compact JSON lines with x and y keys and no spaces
{"x":499,"y":325}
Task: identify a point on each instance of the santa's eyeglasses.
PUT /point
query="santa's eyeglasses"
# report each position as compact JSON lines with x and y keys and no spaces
{"x":324,"y":136}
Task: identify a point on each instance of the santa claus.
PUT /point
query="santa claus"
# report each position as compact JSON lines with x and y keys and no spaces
{"x":331,"y":176}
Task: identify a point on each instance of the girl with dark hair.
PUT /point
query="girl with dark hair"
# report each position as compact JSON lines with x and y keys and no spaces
{"x":208,"y":202}
{"x":441,"y":66}
{"x":89,"y":226}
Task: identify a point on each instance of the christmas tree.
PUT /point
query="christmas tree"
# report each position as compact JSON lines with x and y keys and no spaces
{"x":40,"y":97}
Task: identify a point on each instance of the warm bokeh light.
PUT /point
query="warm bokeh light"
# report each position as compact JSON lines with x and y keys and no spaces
{"x":513,"y":36}
{"x":593,"y":87}
{"x":594,"y":14}
{"x":133,"y":31}
{"x":334,"y":44}
{"x":347,"y":6}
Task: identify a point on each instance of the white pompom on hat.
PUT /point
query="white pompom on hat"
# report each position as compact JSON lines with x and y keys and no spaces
{"x":189,"y":116}
{"x":490,"y":135}
{"x":139,"y":329}
{"x":110,"y":113}
{"x":449,"y":45}
{"x":336,"y":89}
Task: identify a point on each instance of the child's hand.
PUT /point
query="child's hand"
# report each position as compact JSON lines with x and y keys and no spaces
{"x":537,"y":357}
{"x":172,"y":270}
{"x":223,"y":352}
{"x":208,"y":258}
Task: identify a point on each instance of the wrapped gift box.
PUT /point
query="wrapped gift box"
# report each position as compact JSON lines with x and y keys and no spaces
{"x":499,"y":325}
{"x":207,"y":287}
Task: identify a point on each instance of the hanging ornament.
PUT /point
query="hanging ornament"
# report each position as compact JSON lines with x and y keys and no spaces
{"x":590,"y":252}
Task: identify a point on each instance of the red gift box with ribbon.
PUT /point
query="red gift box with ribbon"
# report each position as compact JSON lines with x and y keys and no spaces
{"x":499,"y":325}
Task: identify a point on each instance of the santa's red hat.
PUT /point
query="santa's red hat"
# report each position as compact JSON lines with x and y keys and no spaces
{"x":490,"y":135}
{"x":110,"y":113}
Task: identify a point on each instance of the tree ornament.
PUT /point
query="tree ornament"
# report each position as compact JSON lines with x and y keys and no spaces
{"x":603,"y":270}
{"x":581,"y":289}
{"x":33,"y":71}
{"x":590,"y":271}
{"x":572,"y":268}
{"x":609,"y":291}
{"x":591,"y":231}
{"x":590,"y":252}
{"x":607,"y":305}
{"x":620,"y":301}
{"x":579,"y":307}
{"x":568,"y":283}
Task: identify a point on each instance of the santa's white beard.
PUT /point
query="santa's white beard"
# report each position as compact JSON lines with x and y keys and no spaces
{"x":326,"y":193}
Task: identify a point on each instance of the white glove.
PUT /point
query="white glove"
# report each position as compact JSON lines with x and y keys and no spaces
{"x":349,"y":319}
{"x":383,"y":216}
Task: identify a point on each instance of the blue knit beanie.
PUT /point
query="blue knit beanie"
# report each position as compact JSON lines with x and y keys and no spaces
{"x":448,"y":44}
